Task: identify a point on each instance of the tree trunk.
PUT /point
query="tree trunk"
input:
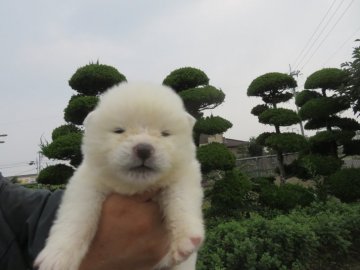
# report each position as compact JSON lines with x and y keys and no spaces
{"x":280,"y":159}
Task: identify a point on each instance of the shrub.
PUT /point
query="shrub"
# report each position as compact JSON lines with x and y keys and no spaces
{"x":260,"y":182}
{"x":285,"y":197}
{"x":258,"y":244}
{"x":319,"y":237}
{"x":345,"y":184}
{"x":320,"y":165}
{"x":215,"y":156}
{"x":229,"y":195}
{"x":55,"y":174}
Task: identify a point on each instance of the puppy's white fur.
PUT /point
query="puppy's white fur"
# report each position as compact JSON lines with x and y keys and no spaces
{"x":153,"y":115}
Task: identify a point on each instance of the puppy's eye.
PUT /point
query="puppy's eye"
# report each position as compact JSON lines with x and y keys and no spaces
{"x":119,"y":130}
{"x":165,"y":133}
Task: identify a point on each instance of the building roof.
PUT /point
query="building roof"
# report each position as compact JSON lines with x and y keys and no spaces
{"x":233,"y":143}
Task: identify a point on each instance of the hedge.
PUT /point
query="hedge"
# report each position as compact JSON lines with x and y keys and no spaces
{"x":319,"y":237}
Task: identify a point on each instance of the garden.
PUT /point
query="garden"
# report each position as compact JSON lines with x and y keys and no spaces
{"x":260,"y":223}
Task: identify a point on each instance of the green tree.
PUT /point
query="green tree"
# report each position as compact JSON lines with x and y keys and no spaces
{"x":193,"y":87}
{"x":275,"y":88}
{"x":321,"y":104}
{"x":89,"y":82}
{"x":353,"y":72}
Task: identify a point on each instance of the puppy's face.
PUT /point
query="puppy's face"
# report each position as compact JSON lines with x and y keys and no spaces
{"x":138,"y":134}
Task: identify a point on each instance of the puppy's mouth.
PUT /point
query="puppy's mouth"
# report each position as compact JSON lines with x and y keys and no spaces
{"x":142,"y":169}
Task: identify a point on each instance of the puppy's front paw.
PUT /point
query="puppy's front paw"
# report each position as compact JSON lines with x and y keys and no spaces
{"x":184,"y":247}
{"x":57,"y":260}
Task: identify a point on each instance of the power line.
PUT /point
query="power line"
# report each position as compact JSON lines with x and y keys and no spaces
{"x":342,"y":45}
{"x":320,"y":34}
{"x":327,"y":35}
{"x":313,"y":34}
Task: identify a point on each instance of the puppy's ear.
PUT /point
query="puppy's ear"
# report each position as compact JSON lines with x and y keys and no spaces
{"x":191,"y":120}
{"x":89,"y":118}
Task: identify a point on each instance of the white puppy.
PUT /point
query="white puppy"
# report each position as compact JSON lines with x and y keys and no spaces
{"x":138,"y":138}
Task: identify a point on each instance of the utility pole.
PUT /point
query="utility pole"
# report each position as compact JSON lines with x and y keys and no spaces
{"x":296,"y":73}
{"x":3,"y":135}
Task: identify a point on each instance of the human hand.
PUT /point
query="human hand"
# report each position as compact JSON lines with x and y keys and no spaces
{"x":130,"y":235}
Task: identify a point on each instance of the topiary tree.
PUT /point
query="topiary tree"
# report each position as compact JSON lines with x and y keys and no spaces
{"x":89,"y":82}
{"x":215,"y":156}
{"x":321,"y":104}
{"x":275,"y":88}
{"x":192,"y":85}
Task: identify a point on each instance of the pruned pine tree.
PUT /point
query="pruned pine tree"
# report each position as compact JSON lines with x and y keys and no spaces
{"x":275,"y":88}
{"x":193,"y":87}
{"x":89,"y":82}
{"x":321,"y":105}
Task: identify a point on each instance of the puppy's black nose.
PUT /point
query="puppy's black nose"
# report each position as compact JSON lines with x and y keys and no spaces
{"x":143,"y":150}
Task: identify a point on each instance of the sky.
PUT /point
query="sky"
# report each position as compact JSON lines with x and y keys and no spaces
{"x":43,"y":42}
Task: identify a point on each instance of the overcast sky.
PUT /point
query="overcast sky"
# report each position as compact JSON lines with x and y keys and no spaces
{"x":43,"y":42}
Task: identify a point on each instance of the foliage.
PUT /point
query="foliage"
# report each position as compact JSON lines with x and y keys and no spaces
{"x":352,"y":148}
{"x":353,"y":71}
{"x":259,"y":109}
{"x":286,"y":142}
{"x":94,"y":79}
{"x":261,"y":139}
{"x":285,"y":197}
{"x":345,"y":184}
{"x":325,"y":142}
{"x":215,"y":156}
{"x":64,"y":148}
{"x":326,"y":78}
{"x":212,"y":125}
{"x":64,"y":130}
{"x":319,"y":164}
{"x":202,"y":98}
{"x":254,"y":148}
{"x":186,"y":78}
{"x":304,"y":96}
{"x":321,"y":236}
{"x":272,"y":87}
{"x":229,"y":195}
{"x":259,"y":182}
{"x":323,"y":107}
{"x":45,"y":186}
{"x":279,"y":117}
{"x":78,"y":108}
{"x":55,"y":174}
{"x":345,"y":123}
